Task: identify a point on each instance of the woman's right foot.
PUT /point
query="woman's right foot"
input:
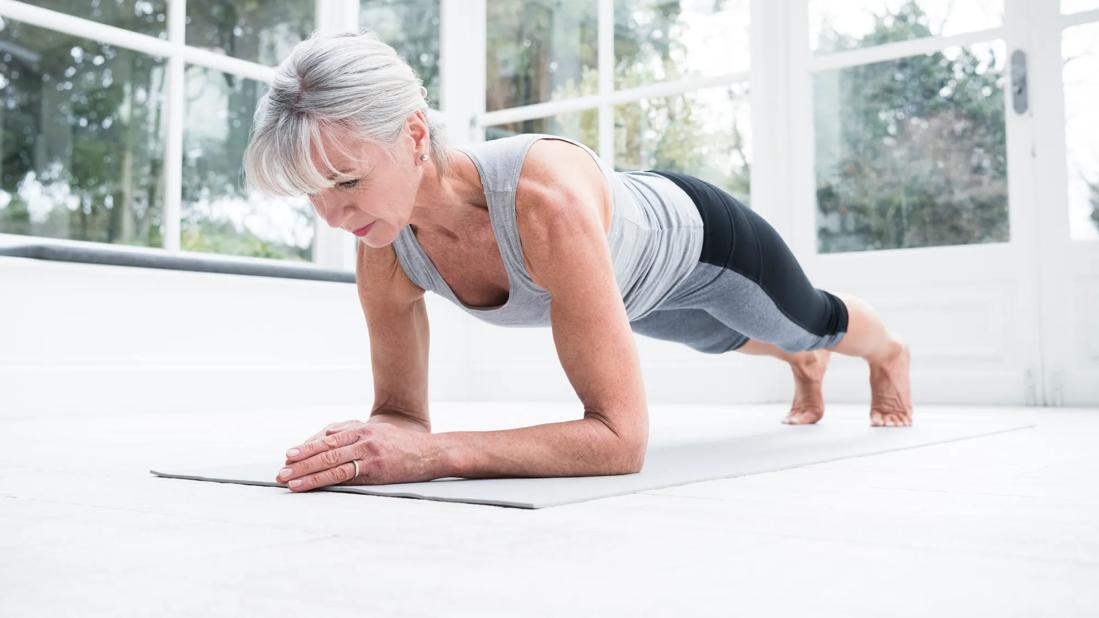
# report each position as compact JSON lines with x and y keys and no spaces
{"x":808,"y":406}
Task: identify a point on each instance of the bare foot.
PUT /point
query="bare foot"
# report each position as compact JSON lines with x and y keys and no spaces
{"x":890,"y":393}
{"x":808,"y":406}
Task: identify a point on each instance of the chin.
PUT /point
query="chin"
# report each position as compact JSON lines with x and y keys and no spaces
{"x":374,"y":240}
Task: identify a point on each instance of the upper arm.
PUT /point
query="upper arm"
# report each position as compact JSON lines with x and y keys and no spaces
{"x":565,"y":244}
{"x":396,"y":317}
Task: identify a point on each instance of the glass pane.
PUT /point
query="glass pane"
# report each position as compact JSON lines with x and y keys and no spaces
{"x":705,"y":133}
{"x":80,"y":140}
{"x":657,"y":40}
{"x":835,"y":26}
{"x":1081,"y":73}
{"x":912,"y":152}
{"x":540,"y":50}
{"x":258,"y":32}
{"x":219,"y":216}
{"x":580,"y":126}
{"x":412,"y":28}
{"x":1076,"y":6}
{"x":143,"y":16}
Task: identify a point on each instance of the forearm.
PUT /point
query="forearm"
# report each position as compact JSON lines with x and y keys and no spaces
{"x":584,"y":447}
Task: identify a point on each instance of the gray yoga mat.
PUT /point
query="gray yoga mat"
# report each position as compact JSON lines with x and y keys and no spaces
{"x":740,"y":451}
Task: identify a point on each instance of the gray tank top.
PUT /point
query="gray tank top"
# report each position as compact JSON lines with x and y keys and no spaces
{"x":655,"y":236}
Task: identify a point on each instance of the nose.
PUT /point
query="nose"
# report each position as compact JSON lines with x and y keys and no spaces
{"x":332,"y":215}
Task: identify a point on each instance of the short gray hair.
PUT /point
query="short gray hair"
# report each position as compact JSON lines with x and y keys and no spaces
{"x":349,"y":81}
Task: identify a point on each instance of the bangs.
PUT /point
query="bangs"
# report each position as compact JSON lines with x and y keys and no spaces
{"x":277,"y":160}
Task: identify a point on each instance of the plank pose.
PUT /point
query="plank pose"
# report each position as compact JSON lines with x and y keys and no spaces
{"x":531,"y":230}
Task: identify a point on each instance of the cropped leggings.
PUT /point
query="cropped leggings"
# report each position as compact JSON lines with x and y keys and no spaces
{"x":746,"y":285}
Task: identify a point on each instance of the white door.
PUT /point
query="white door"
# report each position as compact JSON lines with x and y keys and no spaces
{"x":1065,"y":91}
{"x":917,"y":184}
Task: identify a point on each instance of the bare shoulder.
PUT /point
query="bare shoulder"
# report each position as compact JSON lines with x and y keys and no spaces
{"x":380,"y":278}
{"x":554,"y":168}
{"x":561,"y":198}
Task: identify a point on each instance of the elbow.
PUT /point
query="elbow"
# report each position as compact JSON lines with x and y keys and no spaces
{"x":631,"y":447}
{"x":633,"y":460}
{"x":627,"y":443}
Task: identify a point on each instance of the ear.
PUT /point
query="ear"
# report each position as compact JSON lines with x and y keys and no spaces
{"x":416,"y":123}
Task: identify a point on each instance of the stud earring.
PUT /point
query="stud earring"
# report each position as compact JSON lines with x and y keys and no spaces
{"x":423,"y":157}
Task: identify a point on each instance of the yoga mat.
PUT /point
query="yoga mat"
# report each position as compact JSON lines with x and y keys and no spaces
{"x":733,"y":451}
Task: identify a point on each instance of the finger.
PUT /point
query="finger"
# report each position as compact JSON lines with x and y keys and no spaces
{"x":322,"y":461}
{"x":337,"y":427}
{"x":326,"y":443}
{"x":332,"y":476}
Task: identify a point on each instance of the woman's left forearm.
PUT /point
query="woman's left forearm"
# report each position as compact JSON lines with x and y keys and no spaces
{"x":584,"y":447}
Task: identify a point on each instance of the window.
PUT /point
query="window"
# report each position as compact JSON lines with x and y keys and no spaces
{"x":85,"y":122}
{"x":836,"y":26}
{"x":703,"y":133}
{"x":80,"y":138}
{"x":257,"y":32}
{"x":411,"y":27}
{"x":144,"y":16}
{"x":672,"y":95}
{"x":218,"y":215}
{"x":910,"y":151}
{"x":1081,"y":79}
{"x":539,"y":51}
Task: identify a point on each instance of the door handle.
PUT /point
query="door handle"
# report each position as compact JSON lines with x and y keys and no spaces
{"x":1018,"y":82}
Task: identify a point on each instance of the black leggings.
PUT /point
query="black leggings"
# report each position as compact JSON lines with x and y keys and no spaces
{"x":747,"y":285}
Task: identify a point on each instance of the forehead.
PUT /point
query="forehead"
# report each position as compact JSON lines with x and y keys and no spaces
{"x":344,"y":151}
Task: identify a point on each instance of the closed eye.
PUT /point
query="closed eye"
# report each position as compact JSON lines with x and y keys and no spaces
{"x":348,"y":184}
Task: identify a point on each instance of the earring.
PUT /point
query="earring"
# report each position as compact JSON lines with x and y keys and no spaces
{"x":423,"y":157}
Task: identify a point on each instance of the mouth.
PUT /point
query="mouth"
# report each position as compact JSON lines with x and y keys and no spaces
{"x":362,"y":231}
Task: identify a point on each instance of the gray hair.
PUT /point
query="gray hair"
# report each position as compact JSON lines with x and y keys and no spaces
{"x":349,"y":81}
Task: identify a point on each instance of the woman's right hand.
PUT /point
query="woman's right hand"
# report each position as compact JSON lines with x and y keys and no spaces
{"x":378,"y":417}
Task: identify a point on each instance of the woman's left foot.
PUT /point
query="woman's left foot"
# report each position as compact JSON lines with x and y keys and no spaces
{"x":890,"y":393}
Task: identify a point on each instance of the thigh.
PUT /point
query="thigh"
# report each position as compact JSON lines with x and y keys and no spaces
{"x":692,"y":327}
{"x":760,"y":289}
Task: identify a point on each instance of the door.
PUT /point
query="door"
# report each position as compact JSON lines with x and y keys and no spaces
{"x":914,"y":186}
{"x":1065,"y":88}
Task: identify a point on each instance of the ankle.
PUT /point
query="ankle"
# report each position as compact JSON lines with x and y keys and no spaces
{"x":894,"y":349}
{"x":809,"y":366}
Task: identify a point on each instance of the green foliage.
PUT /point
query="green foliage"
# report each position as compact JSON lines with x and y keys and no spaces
{"x":919,"y":158}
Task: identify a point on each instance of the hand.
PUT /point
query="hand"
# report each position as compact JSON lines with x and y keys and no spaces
{"x":386,"y":454}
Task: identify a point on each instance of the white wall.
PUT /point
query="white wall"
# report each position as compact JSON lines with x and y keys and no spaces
{"x":83,"y":338}
{"x":521,"y":364}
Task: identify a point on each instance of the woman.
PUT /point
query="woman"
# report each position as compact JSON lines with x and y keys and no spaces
{"x":531,"y":230}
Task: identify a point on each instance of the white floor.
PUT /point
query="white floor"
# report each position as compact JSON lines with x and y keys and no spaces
{"x":1005,"y":525}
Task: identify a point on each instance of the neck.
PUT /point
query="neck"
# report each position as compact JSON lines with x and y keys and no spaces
{"x":444,"y":203}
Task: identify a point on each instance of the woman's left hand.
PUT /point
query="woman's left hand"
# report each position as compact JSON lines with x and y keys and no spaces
{"x":386,"y":454}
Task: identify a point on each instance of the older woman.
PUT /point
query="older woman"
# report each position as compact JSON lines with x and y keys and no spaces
{"x":531,"y":230}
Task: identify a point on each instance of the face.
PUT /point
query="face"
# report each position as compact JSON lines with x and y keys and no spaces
{"x":381,"y":191}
